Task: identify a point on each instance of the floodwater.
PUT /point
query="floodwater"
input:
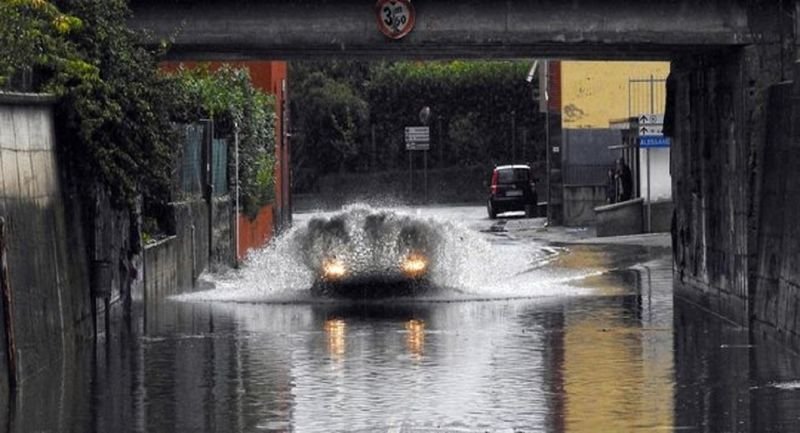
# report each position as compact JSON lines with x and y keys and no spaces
{"x":592,"y":341}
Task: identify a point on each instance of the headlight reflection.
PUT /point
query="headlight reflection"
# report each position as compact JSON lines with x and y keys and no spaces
{"x":415,"y":338}
{"x":336,"y":329}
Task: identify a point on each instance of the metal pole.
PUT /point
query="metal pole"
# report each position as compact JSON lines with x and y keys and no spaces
{"x":441,"y":147}
{"x":652,"y":95}
{"x":652,"y":111}
{"x":649,"y":228}
{"x":410,"y":176}
{"x":547,"y":139}
{"x":425,"y":175}
{"x":236,"y":177}
{"x":374,"y":151}
{"x":513,"y":137}
{"x":210,"y":186}
{"x":630,"y":107}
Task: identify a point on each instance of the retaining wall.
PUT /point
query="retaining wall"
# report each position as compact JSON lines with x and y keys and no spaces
{"x":47,"y":267}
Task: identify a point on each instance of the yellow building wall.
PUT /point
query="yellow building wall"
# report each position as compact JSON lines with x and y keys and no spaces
{"x":595,"y":92}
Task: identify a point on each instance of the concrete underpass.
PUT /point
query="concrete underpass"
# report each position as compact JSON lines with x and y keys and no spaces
{"x":729,"y":104}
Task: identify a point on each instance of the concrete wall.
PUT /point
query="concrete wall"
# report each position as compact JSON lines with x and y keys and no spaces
{"x":579,"y":203}
{"x":172,"y":265}
{"x":192,"y":238}
{"x":623,"y":218}
{"x":719,"y":137}
{"x":47,"y":266}
{"x":160,"y":269}
{"x":775,"y":297}
{"x":710,"y":184}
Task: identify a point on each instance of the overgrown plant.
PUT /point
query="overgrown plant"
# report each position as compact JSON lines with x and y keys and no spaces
{"x":228,"y":96}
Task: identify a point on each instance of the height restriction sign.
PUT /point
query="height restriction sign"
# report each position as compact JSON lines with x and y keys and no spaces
{"x":395,"y":17}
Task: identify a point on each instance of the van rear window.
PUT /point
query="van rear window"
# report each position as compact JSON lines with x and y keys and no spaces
{"x":510,"y":175}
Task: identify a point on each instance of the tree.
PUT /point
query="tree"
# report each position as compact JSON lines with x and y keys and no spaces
{"x":333,"y":122}
{"x":33,"y":34}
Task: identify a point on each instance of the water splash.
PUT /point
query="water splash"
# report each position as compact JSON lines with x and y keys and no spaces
{"x":464,"y":264}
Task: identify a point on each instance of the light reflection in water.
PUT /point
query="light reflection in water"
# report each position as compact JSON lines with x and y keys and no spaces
{"x":415,"y":338}
{"x":336,"y":329}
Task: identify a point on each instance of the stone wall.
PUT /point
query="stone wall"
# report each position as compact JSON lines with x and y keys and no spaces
{"x":47,"y":267}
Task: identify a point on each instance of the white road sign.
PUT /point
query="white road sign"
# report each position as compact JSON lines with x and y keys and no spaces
{"x":649,"y":119}
{"x":651,"y":125}
{"x":418,"y":137}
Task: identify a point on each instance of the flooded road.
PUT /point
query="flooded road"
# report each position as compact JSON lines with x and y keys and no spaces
{"x":593,"y":342}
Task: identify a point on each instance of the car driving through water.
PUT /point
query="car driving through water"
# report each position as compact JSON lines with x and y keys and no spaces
{"x":370,"y":254}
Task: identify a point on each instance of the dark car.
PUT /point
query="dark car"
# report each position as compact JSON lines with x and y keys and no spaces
{"x":512,"y":188}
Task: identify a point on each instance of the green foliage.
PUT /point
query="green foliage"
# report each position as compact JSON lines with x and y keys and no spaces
{"x":33,"y":37}
{"x":333,"y":121}
{"x":474,"y":106}
{"x":227,"y":95}
{"x":116,"y":126}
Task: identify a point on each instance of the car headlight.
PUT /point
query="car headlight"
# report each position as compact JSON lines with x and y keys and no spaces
{"x":414,"y":265}
{"x":333,"y":269}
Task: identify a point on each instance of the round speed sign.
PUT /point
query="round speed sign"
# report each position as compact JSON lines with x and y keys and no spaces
{"x":395,"y":17}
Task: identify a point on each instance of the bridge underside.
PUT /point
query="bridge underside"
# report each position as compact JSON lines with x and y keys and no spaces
{"x":736,"y":137}
{"x":611,"y":29}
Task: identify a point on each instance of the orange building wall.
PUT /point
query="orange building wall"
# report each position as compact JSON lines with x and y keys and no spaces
{"x":270,"y":77}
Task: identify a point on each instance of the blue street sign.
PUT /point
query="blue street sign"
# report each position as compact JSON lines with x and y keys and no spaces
{"x":654,"y":141}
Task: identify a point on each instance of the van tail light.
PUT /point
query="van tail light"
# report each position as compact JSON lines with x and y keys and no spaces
{"x":494,"y":181}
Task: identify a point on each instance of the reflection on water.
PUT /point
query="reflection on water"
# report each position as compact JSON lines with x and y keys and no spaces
{"x":335,"y":329}
{"x":627,"y":358}
{"x":415,"y":338}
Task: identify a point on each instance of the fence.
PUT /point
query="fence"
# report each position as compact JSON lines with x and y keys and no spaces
{"x":219,"y":165}
{"x":190,"y":175}
{"x":190,"y":179}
